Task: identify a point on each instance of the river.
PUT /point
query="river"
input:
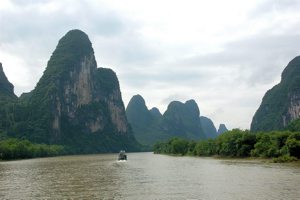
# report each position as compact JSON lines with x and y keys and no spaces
{"x":147,"y":176}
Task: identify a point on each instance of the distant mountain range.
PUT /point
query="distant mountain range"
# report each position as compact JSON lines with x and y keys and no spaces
{"x":179,"y":120}
{"x":78,"y":105}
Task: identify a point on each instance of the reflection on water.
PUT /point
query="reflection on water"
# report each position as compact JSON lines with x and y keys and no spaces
{"x":147,"y":176}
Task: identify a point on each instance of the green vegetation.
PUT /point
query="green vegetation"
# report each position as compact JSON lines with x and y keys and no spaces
{"x":19,"y":149}
{"x":54,"y":112}
{"x":294,"y":126}
{"x":273,"y":113}
{"x":180,"y":120}
{"x":281,"y":146}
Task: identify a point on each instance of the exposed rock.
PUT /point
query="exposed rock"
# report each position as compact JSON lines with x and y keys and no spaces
{"x":118,"y":117}
{"x":96,"y":125}
{"x":293,"y":109}
{"x":83,"y":85}
{"x":75,"y":103}
{"x":281,"y":104}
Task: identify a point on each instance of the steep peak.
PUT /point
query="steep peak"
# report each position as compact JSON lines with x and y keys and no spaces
{"x":182,"y":119}
{"x":222,"y":129}
{"x":155,"y":112}
{"x":292,"y":69}
{"x":138,"y":114}
{"x":187,"y":109}
{"x":189,"y":106}
{"x":76,"y":32}
{"x":71,"y":70}
{"x":4,"y":83}
{"x":75,"y":38}
{"x":193,"y":106}
{"x":136,"y":107}
{"x":6,"y":88}
{"x":137,"y":99}
{"x":72,"y":49}
{"x":174,"y":104}
{"x":190,"y":102}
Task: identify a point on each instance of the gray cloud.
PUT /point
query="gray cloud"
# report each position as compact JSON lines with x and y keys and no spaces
{"x":238,"y":75}
{"x":30,"y":21}
{"x":255,"y":60}
{"x":232,"y":80}
{"x":31,"y":34}
{"x":268,"y":7}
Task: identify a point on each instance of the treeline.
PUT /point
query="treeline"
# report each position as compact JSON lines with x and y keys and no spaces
{"x":281,"y":146}
{"x":19,"y":149}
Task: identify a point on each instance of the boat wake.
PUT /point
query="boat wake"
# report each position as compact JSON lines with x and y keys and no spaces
{"x":120,"y":161}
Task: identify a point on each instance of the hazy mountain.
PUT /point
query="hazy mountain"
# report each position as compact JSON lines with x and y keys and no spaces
{"x":222,"y":128}
{"x":138,"y":115}
{"x":208,"y":127}
{"x":155,"y":113}
{"x":179,"y":120}
{"x":182,"y":120}
{"x":144,"y":122}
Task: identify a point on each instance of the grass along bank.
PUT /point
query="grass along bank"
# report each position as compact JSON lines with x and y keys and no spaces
{"x":11,"y":149}
{"x":280,"y":146}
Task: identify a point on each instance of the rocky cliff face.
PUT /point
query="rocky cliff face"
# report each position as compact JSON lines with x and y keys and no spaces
{"x":281,"y":104}
{"x":75,"y":103}
{"x":6,"y":88}
{"x":293,"y":111}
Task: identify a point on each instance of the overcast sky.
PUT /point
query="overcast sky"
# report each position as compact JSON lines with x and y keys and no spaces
{"x":223,"y":54}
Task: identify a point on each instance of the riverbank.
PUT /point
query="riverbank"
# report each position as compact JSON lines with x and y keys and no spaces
{"x":15,"y":149}
{"x":236,"y":159}
{"x":278,"y":146}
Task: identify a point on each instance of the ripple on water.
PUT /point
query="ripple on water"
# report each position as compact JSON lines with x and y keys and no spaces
{"x":147,"y":176}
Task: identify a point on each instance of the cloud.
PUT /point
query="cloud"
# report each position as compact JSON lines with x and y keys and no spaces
{"x":255,"y":60}
{"x":224,"y":58}
{"x":41,"y":19}
{"x":269,"y":7}
{"x":237,"y":75}
{"x":33,"y":28}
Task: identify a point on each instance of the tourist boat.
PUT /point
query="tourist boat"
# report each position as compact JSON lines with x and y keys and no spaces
{"x":122,"y":155}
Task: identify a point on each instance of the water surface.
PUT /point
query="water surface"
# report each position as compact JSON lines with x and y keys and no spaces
{"x":147,"y":176}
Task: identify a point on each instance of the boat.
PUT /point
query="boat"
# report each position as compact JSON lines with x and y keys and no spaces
{"x":122,"y":155}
